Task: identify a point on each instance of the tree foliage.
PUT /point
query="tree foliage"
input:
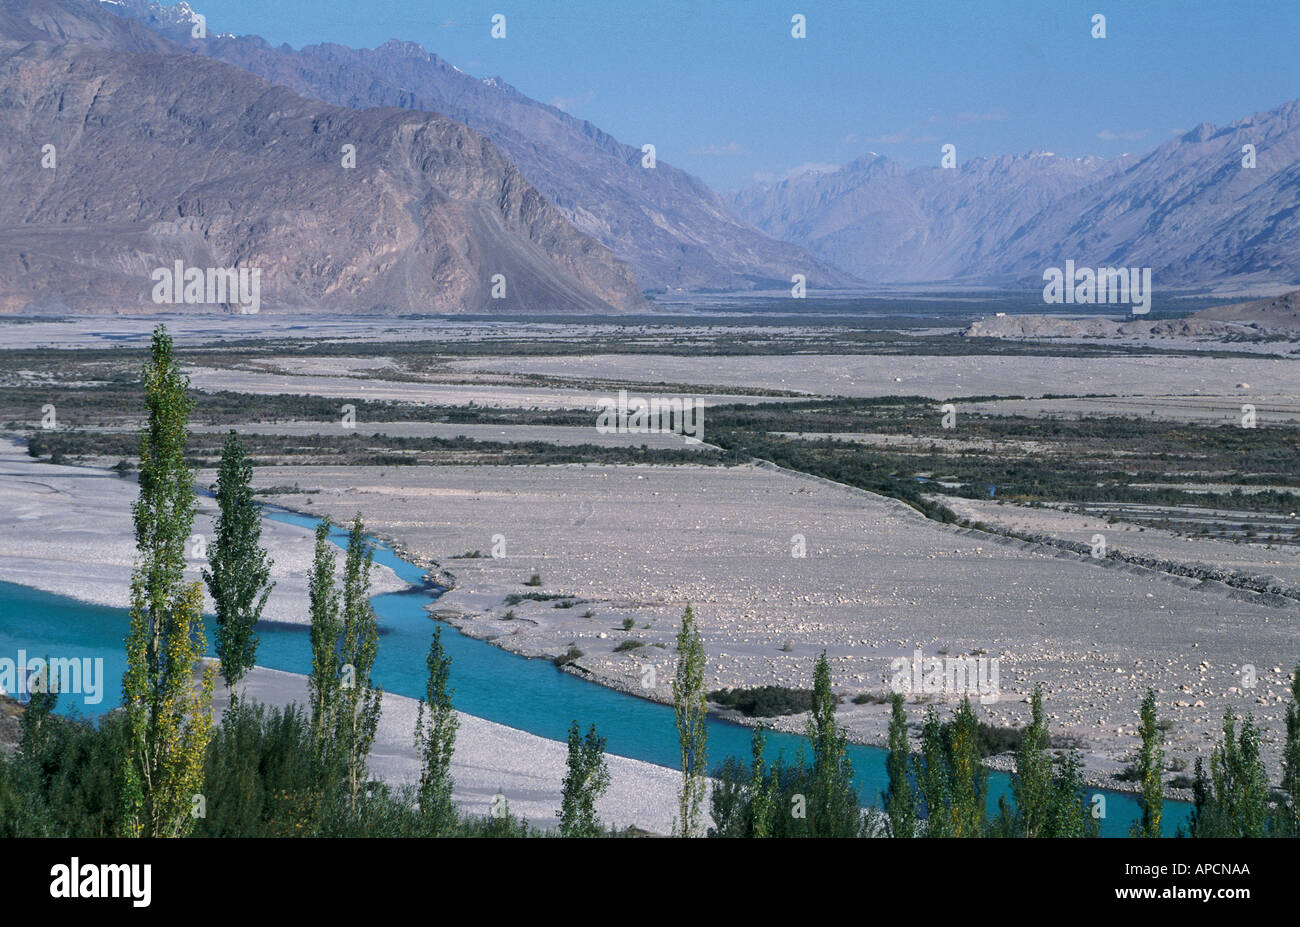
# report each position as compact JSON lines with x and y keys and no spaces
{"x":585,"y":780}
{"x":359,"y":699}
{"x":435,"y":737}
{"x":1150,"y":769}
{"x":239,"y":569}
{"x":692,"y":724}
{"x":900,"y":798}
{"x":1232,"y":799}
{"x":326,"y":631}
{"x":167,"y":710}
{"x":833,"y":805}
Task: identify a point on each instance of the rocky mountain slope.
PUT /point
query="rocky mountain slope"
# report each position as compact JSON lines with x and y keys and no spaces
{"x":885,"y":223}
{"x":163,"y":155}
{"x":674,"y":231}
{"x":1189,"y":210}
{"x":75,"y":23}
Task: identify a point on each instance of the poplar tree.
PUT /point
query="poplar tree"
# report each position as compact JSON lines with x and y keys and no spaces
{"x":238,"y":577}
{"x":1049,"y":795}
{"x":1150,"y":769}
{"x":1032,"y":782}
{"x":762,"y":788}
{"x":1071,"y":815}
{"x":585,"y":780}
{"x":1232,"y":801}
{"x":899,"y":799}
{"x":359,"y":700}
{"x":933,"y":777}
{"x":168,"y":711}
{"x":834,"y":807}
{"x":969,"y":776}
{"x":326,"y":630}
{"x":692,"y":724}
{"x":435,"y":739}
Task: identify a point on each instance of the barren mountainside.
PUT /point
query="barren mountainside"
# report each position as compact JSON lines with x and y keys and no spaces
{"x":885,"y":223}
{"x":1189,"y":210}
{"x":673,"y":230}
{"x":164,"y":157}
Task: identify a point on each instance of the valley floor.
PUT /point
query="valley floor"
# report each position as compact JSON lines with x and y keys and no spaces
{"x":620,"y":547}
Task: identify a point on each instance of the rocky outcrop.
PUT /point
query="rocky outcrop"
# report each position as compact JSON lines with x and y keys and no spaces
{"x":161,"y":156}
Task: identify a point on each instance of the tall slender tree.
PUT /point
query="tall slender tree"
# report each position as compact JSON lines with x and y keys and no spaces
{"x":899,"y":799}
{"x":692,"y":724}
{"x":239,"y":569}
{"x":168,"y":712}
{"x":326,"y":631}
{"x":1150,"y":769}
{"x":1232,"y":801}
{"x":1032,"y":782}
{"x":586,"y":779}
{"x":435,"y":739}
{"x":934,"y":777}
{"x":1071,"y":814}
{"x":969,"y":775}
{"x":833,"y":806}
{"x":762,"y":788}
{"x":1049,"y":795}
{"x":360,"y":700}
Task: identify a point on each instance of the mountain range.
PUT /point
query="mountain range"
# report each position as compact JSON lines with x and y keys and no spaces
{"x":675,"y":232}
{"x":467,"y":196}
{"x":1192,"y":210}
{"x":129,"y":153}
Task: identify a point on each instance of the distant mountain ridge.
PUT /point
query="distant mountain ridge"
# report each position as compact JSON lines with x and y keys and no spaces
{"x":165,"y":156}
{"x":673,"y":230}
{"x":1189,"y":210}
{"x":889,"y":224}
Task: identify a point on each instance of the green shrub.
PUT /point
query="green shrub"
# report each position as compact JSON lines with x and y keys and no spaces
{"x":568,"y":656}
{"x":763,"y":701}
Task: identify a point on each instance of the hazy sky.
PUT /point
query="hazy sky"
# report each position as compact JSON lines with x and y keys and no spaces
{"x":723,"y":90}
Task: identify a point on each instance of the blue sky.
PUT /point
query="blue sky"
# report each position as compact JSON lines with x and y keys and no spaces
{"x":723,"y":90}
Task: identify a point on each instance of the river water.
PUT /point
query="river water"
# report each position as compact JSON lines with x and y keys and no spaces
{"x":530,"y":695}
